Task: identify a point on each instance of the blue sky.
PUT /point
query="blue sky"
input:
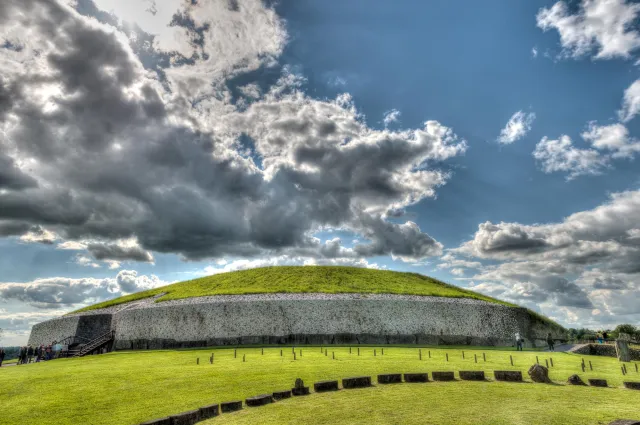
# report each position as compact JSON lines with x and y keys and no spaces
{"x":311,"y":122}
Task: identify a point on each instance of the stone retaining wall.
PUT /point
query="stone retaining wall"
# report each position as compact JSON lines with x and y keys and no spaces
{"x":304,"y":319}
{"x":604,"y":350}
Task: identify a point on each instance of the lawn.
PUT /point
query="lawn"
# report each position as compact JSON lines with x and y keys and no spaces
{"x":132,"y":387}
{"x":310,"y":279}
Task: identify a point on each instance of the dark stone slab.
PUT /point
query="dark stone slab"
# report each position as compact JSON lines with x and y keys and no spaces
{"x":390,"y":378}
{"x":356,"y":382}
{"x":632,"y":385}
{"x":230,"y":406}
{"x":300,"y":391}
{"x":472,"y":375}
{"x":325,"y":386}
{"x":416,"y":377}
{"x":508,"y":375}
{"x":575,"y":380}
{"x":186,"y":418}
{"x":598,"y":382}
{"x":443,"y":376}
{"x":259,"y":400}
{"x":625,"y":422}
{"x":279,"y":395}
{"x":161,"y":421}
{"x":209,"y":411}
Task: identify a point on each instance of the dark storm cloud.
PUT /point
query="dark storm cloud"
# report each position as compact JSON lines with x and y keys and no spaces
{"x":119,"y":252}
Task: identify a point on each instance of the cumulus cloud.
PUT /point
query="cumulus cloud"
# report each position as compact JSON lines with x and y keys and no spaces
{"x":148,"y":139}
{"x":603,"y":26}
{"x":614,"y":138}
{"x":561,"y":155}
{"x":589,"y":260}
{"x":391,"y":117}
{"x":517,"y":127}
{"x":58,"y":292}
{"x":630,"y":102}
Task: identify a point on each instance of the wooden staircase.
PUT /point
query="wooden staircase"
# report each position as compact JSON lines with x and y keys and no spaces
{"x":95,"y":344}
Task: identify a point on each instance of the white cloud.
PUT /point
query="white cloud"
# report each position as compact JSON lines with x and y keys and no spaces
{"x":391,"y":117}
{"x":72,"y":245}
{"x":630,"y":102}
{"x":517,"y":127}
{"x":561,"y":156}
{"x":39,"y":234}
{"x":605,"y":26}
{"x":614,"y":138}
{"x":534,"y":52}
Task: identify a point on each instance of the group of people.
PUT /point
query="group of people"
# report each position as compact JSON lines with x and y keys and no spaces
{"x":520,"y":342}
{"x":35,"y":354}
{"x":602,"y":337}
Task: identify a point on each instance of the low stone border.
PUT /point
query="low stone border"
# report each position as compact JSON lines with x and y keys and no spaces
{"x":280,"y":395}
{"x":209,"y":411}
{"x":416,"y":377}
{"x":259,"y":400}
{"x":230,"y":406}
{"x":508,"y":375}
{"x":632,"y":385}
{"x":186,"y":418}
{"x":356,"y":382}
{"x":625,"y":422}
{"x":472,"y":375}
{"x":443,"y":376}
{"x":300,"y":391}
{"x":598,"y":382}
{"x":161,"y":421}
{"x":390,"y":378}
{"x":323,"y":386}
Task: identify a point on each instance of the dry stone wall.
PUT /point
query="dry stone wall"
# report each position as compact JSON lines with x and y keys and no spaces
{"x":312,"y":319}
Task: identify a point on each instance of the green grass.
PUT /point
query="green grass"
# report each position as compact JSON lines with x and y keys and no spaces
{"x":132,"y":387}
{"x":297,"y":279}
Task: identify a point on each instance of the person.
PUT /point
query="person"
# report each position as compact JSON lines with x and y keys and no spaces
{"x":519,"y":342}
{"x":599,"y":338}
{"x":2,"y":354}
{"x":605,"y":336}
{"x":550,"y":342}
{"x":22,"y":355}
{"x":48,"y":352}
{"x":30,"y":354}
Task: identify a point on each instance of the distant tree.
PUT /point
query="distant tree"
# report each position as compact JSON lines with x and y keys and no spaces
{"x":626,"y":329}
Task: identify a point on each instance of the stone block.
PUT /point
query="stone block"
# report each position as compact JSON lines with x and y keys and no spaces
{"x":390,"y":378}
{"x":416,"y":377}
{"x":508,"y":375}
{"x":279,"y":395}
{"x":230,"y":406}
{"x":443,"y":376}
{"x":325,"y":386}
{"x":575,"y":380}
{"x":300,"y":391}
{"x":356,"y":382}
{"x":186,"y":418}
{"x":632,"y":385}
{"x":259,"y":400}
{"x":539,"y":373}
{"x":160,"y":421}
{"x":209,"y":411}
{"x":472,"y":375}
{"x":625,"y":422}
{"x":598,"y":382}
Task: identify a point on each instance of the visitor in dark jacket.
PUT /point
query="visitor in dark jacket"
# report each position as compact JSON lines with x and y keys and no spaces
{"x":30,"y":354}
{"x":2,"y":354}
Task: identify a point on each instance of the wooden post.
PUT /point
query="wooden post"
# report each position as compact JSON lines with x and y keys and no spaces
{"x":582,"y":367}
{"x":301,"y":352}
{"x":235,"y":354}
{"x":263,"y":351}
{"x":547,"y":362}
{"x":358,"y":350}
{"x":537,"y":361}
{"x":590,"y":365}
{"x":382,"y":351}
{"x":447,"y":354}
{"x":374,"y":352}
{"x":475,"y":358}
{"x":463,"y":355}
{"x":293,"y":350}
{"x":321,"y":349}
{"x":622,"y":369}
{"x":333,"y":355}
{"x":625,"y":368}
{"x":429,"y":353}
{"x":349,"y":350}
{"x":420,"y":354}
{"x":636,"y":367}
{"x":326,"y":353}
{"x":198,"y":360}
{"x":280,"y":353}
{"x":551,"y":360}
{"x":511,"y":358}
{"x":294,"y":355}
{"x":484,"y":357}
{"x":244,"y":358}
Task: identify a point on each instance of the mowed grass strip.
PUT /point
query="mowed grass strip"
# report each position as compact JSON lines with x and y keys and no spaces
{"x":304,"y":279}
{"x":133,"y":387}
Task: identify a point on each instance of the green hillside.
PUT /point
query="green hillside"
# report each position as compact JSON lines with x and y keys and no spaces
{"x":300,"y":279}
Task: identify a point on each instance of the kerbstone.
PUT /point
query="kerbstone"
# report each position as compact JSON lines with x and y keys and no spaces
{"x":472,"y":375}
{"x":259,"y":400}
{"x":186,"y":418}
{"x":598,"y":382}
{"x":323,"y":386}
{"x":443,"y":376}
{"x":508,"y":375}
{"x":230,"y":406}
{"x":356,"y":382}
{"x":416,"y":377}
{"x":209,"y":411}
{"x":390,"y":378}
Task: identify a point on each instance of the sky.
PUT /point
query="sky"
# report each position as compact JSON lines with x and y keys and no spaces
{"x":489,"y":144}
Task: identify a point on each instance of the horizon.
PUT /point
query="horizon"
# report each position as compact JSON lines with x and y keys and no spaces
{"x":490,"y":146}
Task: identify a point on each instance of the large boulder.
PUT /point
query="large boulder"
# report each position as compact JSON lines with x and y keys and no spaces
{"x":575,"y":380}
{"x":539,"y":373}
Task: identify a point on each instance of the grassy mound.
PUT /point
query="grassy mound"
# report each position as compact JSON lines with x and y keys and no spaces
{"x":298,"y":279}
{"x":133,"y":387}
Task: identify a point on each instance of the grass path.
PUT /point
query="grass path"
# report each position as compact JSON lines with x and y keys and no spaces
{"x":132,"y":387}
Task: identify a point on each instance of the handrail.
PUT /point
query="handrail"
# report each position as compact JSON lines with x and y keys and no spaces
{"x":95,"y":343}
